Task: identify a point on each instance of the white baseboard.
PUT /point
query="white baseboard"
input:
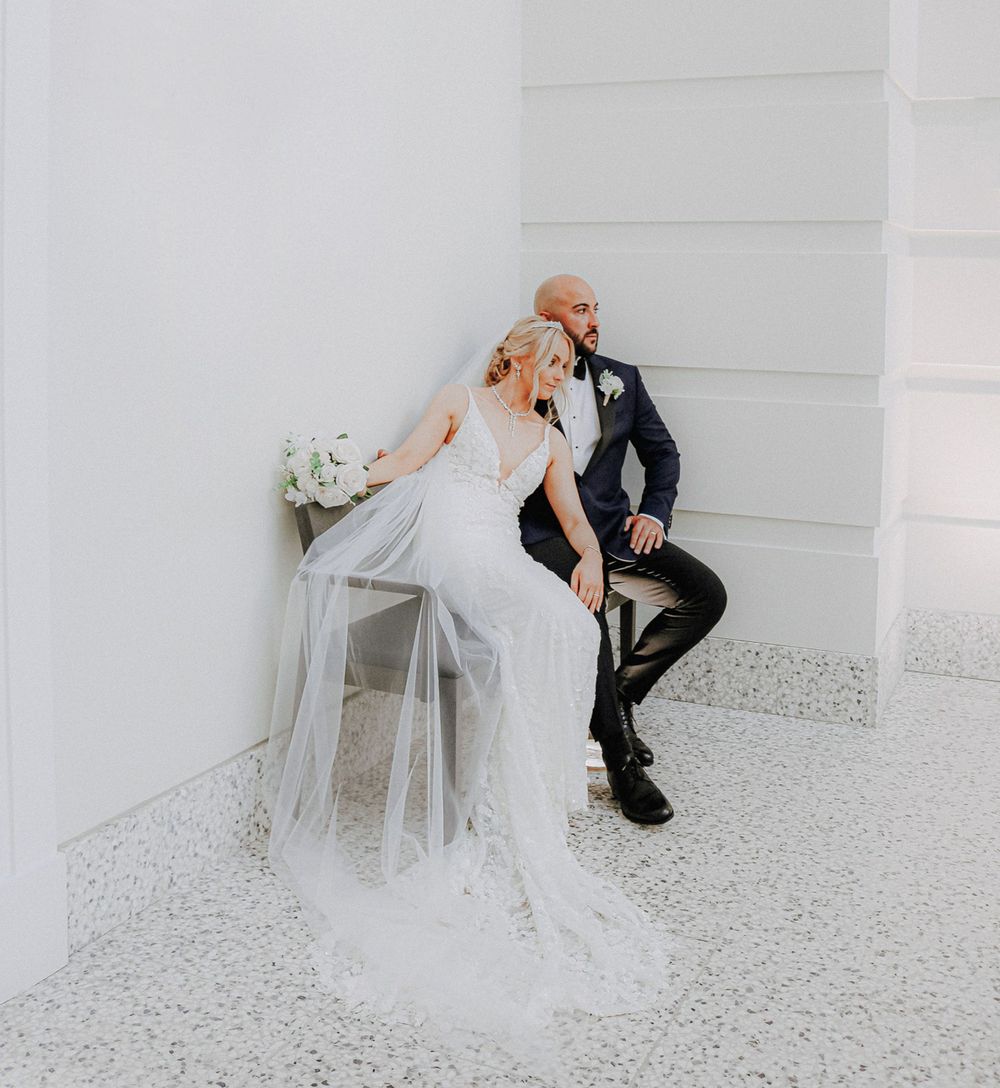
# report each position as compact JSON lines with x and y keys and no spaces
{"x":124,"y":865}
{"x":793,"y":681}
{"x":954,"y":644}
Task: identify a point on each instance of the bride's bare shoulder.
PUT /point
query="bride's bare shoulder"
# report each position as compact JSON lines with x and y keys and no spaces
{"x":453,"y":397}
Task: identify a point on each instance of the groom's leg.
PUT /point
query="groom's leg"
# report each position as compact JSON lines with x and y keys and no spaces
{"x":639,"y":797}
{"x":606,"y":724}
{"x":691,"y":599}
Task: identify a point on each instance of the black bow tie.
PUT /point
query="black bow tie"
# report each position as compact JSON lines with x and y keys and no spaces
{"x":580,"y":369}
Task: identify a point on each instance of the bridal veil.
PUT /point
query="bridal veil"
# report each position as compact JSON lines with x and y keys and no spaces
{"x":419,"y":785}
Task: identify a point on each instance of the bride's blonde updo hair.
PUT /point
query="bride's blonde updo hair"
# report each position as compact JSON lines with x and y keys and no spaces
{"x":535,"y":336}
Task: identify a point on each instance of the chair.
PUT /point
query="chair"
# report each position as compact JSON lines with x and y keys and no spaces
{"x":313,"y":519}
{"x":388,"y":636}
{"x":391,"y":631}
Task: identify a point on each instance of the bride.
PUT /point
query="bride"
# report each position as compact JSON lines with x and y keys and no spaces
{"x":429,"y":731}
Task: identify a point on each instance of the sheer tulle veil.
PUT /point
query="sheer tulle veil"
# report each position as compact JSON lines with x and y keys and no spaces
{"x":390,"y":699}
{"x":370,"y":653}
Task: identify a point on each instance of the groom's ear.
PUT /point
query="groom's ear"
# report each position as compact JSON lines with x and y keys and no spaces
{"x":546,"y":315}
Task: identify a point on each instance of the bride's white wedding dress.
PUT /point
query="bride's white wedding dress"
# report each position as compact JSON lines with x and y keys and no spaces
{"x":428,"y":744}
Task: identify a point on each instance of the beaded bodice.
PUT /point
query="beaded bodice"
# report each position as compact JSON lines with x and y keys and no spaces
{"x":474,"y":460}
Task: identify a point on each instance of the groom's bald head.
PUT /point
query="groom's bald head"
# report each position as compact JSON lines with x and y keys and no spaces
{"x":559,"y":291}
{"x":570,"y":301}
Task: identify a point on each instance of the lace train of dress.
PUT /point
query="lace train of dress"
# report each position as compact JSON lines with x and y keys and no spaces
{"x":420,"y":792}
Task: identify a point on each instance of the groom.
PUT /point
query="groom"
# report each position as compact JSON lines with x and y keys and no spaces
{"x":609,"y":408}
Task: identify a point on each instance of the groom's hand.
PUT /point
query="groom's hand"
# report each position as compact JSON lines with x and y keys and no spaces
{"x":646,"y":533}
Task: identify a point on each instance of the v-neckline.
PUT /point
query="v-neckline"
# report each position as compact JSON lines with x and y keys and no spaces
{"x":496,"y":445}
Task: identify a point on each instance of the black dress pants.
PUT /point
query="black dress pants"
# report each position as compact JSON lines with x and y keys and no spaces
{"x":690,"y":598}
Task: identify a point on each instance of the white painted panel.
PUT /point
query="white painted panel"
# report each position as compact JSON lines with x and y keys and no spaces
{"x":802,"y":237}
{"x":891,"y":578}
{"x":767,"y":162}
{"x":33,"y":917}
{"x":676,"y":39}
{"x":674,"y":94}
{"x":785,"y":385}
{"x":953,"y":567}
{"x":902,"y":150}
{"x":775,"y":532}
{"x":894,"y":399}
{"x":264,"y":217}
{"x":957,"y":165}
{"x":786,"y":312}
{"x":959,"y":47}
{"x":806,"y":462}
{"x":955,"y":454}
{"x":954,"y":243}
{"x":899,"y":315}
{"x":821,"y":600}
{"x":895,"y":451}
{"x":956,"y":313}
{"x":904,"y":44}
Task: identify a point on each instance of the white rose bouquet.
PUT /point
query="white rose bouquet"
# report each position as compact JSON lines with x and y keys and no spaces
{"x":318,"y":470}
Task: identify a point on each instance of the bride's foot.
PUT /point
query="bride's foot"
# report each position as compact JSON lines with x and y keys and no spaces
{"x":640,"y":798}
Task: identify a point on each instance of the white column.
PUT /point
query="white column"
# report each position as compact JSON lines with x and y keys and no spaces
{"x":738,"y":174}
{"x":32,"y":872}
{"x":953,"y":507}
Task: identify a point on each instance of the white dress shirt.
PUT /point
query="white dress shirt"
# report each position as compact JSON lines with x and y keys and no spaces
{"x":582,"y":425}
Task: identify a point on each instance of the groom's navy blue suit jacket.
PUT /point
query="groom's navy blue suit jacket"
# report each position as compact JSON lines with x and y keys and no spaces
{"x":632,"y":417}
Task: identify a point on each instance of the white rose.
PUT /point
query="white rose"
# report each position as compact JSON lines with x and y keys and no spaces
{"x":308,"y":485}
{"x":298,"y":465}
{"x":331,"y":496}
{"x":328,"y":472}
{"x":346,"y":451}
{"x":352,"y":478}
{"x":295,"y":496}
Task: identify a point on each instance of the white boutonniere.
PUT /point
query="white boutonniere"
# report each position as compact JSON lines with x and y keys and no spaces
{"x":610,"y":386}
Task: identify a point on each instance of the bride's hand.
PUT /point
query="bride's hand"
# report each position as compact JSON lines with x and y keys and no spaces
{"x":587,"y":581}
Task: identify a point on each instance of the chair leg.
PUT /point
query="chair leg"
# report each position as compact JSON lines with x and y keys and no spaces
{"x":448,"y":690}
{"x":626,"y":629}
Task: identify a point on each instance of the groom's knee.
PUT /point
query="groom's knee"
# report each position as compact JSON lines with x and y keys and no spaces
{"x":715,"y":598}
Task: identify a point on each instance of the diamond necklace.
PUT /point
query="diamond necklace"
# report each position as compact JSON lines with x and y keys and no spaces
{"x":514,"y":416}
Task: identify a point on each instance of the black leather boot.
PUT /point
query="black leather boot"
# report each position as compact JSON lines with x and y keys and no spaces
{"x":640,"y":798}
{"x":643,"y":753}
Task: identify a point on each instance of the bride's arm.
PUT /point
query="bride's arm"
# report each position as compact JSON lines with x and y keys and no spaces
{"x":443,"y":414}
{"x":587,"y":581}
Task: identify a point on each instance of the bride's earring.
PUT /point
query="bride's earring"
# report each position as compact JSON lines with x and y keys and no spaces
{"x":517,"y":371}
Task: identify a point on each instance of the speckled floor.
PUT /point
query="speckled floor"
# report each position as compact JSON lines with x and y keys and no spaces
{"x":835,"y":891}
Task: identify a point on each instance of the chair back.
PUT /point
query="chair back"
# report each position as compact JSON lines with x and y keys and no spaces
{"x":313,"y":519}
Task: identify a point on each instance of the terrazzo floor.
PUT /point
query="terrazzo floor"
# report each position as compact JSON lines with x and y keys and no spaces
{"x":834,"y":891}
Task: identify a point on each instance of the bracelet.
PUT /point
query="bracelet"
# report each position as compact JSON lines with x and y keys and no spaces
{"x":591,"y":548}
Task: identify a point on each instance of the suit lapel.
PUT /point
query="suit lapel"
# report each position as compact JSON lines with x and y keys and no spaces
{"x":605,"y":414}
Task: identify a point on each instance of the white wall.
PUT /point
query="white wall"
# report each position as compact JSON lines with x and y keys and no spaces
{"x":731,"y":171}
{"x":32,"y":871}
{"x":263,"y":217}
{"x":954,"y":501}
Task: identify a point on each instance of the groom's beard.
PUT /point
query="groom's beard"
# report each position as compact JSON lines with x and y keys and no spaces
{"x":585,"y":347}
